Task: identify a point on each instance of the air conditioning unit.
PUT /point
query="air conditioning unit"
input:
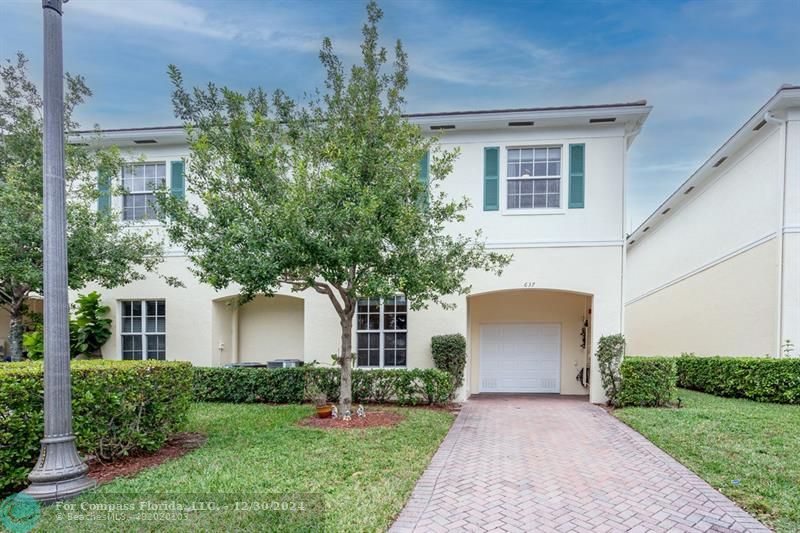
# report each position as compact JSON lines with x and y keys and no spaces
{"x":284,"y":363}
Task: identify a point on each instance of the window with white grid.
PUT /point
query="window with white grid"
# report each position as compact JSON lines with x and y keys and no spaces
{"x":144,"y":327}
{"x":139,"y":181}
{"x":533,"y":177}
{"x":381,"y":332}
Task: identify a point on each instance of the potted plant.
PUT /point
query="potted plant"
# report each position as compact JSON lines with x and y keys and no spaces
{"x":320,"y":399}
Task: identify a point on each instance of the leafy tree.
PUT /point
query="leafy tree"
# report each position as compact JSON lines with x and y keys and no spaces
{"x":98,"y":248}
{"x":324,"y":197}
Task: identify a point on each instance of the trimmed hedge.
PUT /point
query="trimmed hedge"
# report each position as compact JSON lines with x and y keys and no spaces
{"x":288,"y":385}
{"x":647,"y":381}
{"x":759,"y":379}
{"x":450,"y":354}
{"x":118,"y":407}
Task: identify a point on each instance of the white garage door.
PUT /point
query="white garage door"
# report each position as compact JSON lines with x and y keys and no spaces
{"x":520,"y":358}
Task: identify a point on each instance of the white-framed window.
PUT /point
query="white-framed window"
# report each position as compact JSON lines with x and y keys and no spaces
{"x":382,"y":332}
{"x":139,"y":181}
{"x":533,"y":177}
{"x":144,"y":328}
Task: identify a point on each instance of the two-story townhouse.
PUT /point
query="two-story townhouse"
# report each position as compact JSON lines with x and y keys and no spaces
{"x":715,"y":269}
{"x":546,"y":185}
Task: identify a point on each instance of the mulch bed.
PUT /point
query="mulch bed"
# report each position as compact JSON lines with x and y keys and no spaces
{"x":372,"y":419}
{"x":177,"y":446}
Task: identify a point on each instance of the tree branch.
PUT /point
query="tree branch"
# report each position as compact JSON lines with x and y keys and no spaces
{"x":324,"y":288}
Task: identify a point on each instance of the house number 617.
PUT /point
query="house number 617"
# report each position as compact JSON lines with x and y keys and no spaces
{"x":529,"y":284}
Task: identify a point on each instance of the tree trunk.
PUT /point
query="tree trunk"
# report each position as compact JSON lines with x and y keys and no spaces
{"x":15,"y":330}
{"x":346,"y":362}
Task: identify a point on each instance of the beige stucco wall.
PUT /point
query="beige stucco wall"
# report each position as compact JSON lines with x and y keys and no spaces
{"x":790,"y":299}
{"x":323,"y":331}
{"x":189,"y":309}
{"x":271,"y":328}
{"x":728,"y":309}
{"x":586,"y":270}
{"x":533,"y":306}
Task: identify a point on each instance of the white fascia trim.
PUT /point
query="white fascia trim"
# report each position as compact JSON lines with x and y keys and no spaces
{"x":791,"y":229}
{"x":784,"y":97}
{"x":710,"y":264}
{"x":578,"y":115}
{"x":556,"y":135}
{"x":551,"y":244}
{"x":177,"y":252}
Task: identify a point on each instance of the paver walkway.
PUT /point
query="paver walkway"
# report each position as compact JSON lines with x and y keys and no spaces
{"x":559,"y":464}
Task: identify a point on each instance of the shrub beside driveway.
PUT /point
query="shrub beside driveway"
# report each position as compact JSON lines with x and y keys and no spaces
{"x":749,"y":451}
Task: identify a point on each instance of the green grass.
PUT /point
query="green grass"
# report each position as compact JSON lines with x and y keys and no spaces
{"x":362,"y":478}
{"x":725,"y":439}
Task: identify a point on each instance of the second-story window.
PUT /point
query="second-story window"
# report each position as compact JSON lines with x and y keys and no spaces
{"x":534,"y":177}
{"x":139,"y":181}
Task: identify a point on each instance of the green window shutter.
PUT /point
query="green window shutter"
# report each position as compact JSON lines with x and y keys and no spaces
{"x":424,"y":170}
{"x":577,"y":175}
{"x":104,"y":177}
{"x":424,"y":164}
{"x":177,"y":185}
{"x":491,"y":179}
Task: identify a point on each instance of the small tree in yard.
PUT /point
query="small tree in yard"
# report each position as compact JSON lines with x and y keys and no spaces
{"x":97,"y":247}
{"x":610,"y":352}
{"x":325,"y":197}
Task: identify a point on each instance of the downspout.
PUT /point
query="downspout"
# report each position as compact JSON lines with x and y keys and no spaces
{"x":235,"y":334}
{"x":624,"y":259}
{"x":772,"y":119}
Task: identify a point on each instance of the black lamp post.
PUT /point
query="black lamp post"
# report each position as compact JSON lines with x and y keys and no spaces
{"x":59,"y":473}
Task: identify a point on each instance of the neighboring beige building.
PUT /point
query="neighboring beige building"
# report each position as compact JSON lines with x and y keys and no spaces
{"x":716,"y":268}
{"x":546,"y":184}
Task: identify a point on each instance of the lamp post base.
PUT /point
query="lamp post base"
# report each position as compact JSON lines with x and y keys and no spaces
{"x":59,"y":474}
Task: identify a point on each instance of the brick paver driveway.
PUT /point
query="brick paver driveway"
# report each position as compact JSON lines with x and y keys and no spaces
{"x":549,"y":463}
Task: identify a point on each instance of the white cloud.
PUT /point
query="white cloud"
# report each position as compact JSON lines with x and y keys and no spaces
{"x":158,"y":14}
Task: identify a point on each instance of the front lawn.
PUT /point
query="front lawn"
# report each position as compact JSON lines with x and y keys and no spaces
{"x":749,"y":451}
{"x":257,"y":452}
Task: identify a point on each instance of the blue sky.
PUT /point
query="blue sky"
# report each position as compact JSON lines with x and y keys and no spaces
{"x":706,"y":66}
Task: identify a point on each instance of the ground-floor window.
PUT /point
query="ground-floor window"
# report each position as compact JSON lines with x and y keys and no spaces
{"x":144,"y":327}
{"x":381,"y":332}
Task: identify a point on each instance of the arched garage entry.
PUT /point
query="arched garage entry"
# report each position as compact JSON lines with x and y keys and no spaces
{"x":529,"y":341}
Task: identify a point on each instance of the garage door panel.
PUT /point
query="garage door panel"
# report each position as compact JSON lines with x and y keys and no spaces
{"x":520,"y":358}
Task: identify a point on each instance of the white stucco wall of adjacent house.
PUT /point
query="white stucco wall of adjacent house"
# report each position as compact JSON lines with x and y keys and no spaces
{"x":719,"y":272}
